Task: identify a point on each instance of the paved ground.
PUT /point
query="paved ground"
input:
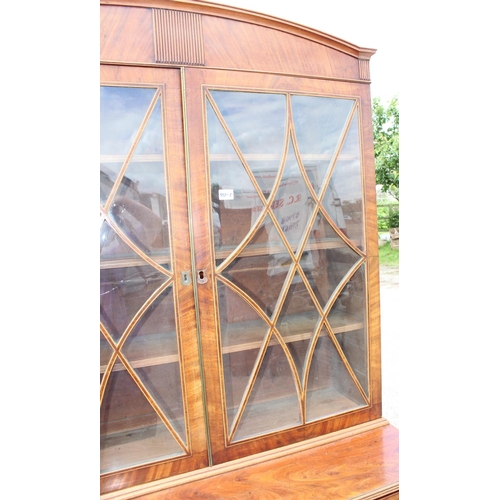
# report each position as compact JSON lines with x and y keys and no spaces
{"x":389,"y":310}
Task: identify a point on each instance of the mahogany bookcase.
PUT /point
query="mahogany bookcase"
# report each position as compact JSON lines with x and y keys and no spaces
{"x":240,"y":326}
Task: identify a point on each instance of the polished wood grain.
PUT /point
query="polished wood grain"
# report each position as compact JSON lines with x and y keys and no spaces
{"x":258,"y":48}
{"x":126,"y":34}
{"x":178,"y":37}
{"x":196,"y":81}
{"x":230,"y":48}
{"x":139,"y":32}
{"x":227,"y":12}
{"x":363,"y":466}
{"x":168,"y":82}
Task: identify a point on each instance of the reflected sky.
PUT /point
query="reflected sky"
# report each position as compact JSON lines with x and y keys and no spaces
{"x":257,"y":121}
{"x":122,"y":111}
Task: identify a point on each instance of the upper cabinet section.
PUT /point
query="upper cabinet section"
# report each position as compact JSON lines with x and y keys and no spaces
{"x":178,"y":33}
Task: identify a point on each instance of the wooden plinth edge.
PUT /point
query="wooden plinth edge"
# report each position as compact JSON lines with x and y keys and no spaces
{"x":358,"y":463}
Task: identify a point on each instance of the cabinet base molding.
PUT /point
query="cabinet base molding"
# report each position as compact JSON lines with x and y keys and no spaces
{"x":359,"y":463}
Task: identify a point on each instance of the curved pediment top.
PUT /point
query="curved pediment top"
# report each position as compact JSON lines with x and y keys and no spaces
{"x":243,"y":15}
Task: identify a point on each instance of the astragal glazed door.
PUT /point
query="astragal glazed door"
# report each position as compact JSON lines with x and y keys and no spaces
{"x":276,"y":177}
{"x":152,"y":417}
{"x":235,"y":310}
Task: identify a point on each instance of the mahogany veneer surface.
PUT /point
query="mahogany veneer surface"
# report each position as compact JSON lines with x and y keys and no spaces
{"x":364,"y":466}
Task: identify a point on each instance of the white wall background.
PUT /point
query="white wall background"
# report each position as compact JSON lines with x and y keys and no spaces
{"x":363,"y":23}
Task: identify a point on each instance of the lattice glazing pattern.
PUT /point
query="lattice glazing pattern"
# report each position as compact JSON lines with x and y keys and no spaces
{"x":142,"y":409}
{"x":288,"y":229}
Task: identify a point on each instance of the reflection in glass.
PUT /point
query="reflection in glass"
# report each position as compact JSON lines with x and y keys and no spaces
{"x":142,"y":410}
{"x":234,"y":197}
{"x":238,"y":362}
{"x":257,"y":123}
{"x":326,"y":260}
{"x":124,"y":290}
{"x":132,"y":433}
{"x":319,"y":123}
{"x":352,"y":299}
{"x":330,"y":387}
{"x":111,"y":245}
{"x":109,"y":172}
{"x":349,"y":309}
{"x":139,"y":208}
{"x":153,"y":338}
{"x":293,"y":203}
{"x":274,"y":384}
{"x":291,"y":259}
{"x":261,"y":268}
{"x":122,"y":112}
{"x":297,"y":320}
{"x":106,"y":353}
{"x":142,"y":227}
{"x":343,"y":196}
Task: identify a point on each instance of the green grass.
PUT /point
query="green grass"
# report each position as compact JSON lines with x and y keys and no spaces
{"x":388,"y":256}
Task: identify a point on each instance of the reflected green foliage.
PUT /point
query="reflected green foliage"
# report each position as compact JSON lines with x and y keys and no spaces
{"x":385,"y":121}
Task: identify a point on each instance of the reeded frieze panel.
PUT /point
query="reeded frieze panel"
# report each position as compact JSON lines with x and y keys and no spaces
{"x":364,"y":69}
{"x":178,"y":37}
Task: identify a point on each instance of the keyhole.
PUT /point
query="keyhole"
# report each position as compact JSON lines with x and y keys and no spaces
{"x":185,"y":278}
{"x":202,"y":276}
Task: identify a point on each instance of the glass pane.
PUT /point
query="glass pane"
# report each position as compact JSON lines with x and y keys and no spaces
{"x":141,"y":216}
{"x":350,"y":307}
{"x":132,"y":432}
{"x":122,"y":112}
{"x":298,"y":314}
{"x":257,"y":283}
{"x":139,"y":209}
{"x":152,"y":351}
{"x":154,"y":333}
{"x":326,"y":260}
{"x":347,"y":318}
{"x":293,"y":204}
{"x":319,"y":123}
{"x":112,"y":247}
{"x":257,"y":123}
{"x":124,"y":290}
{"x":297,"y":320}
{"x":106,"y":353}
{"x":241,"y":342}
{"x":273,"y":402}
{"x":343,"y":197}
{"x":142,"y":413}
{"x":108,"y":172}
{"x":235,"y":202}
{"x":353,"y":345}
{"x":330,"y":387}
{"x":262,"y":268}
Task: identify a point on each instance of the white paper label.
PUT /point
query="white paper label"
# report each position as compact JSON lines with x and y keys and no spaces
{"x":226,"y":194}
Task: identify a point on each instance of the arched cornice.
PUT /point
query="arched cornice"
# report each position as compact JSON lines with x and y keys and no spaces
{"x":234,"y":13}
